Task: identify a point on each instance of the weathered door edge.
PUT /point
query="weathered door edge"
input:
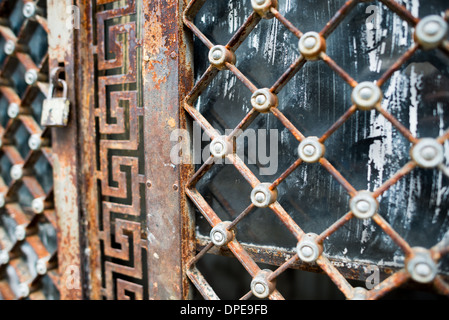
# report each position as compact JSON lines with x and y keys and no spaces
{"x":85,"y":95}
{"x":167,"y":78}
{"x":166,"y":74}
{"x":62,"y":53}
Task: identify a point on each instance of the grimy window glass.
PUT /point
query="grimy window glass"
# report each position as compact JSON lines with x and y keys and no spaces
{"x":327,"y":125}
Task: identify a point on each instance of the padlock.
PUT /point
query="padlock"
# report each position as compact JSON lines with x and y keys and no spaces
{"x":55,"y":110}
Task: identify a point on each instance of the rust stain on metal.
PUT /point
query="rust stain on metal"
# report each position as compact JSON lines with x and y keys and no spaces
{"x":171,"y":123}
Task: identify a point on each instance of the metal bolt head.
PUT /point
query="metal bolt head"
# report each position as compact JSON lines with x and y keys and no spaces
{"x":20,"y":233}
{"x":421,"y":266}
{"x":260,"y":289}
{"x":311,"y":44}
{"x":219,"y":55}
{"x":262,"y":7}
{"x":363,"y":205}
{"x":366,"y":95}
{"x":10,"y":47}
{"x":35,"y":141}
{"x":16,"y":172}
{"x":220,"y":235}
{"x":29,"y":10}
{"x":307,"y":249}
{"x":41,"y":266}
{"x":262,"y":196}
{"x":311,"y":150}
{"x":427,"y":153}
{"x":13,"y":110}
{"x":263,"y":100}
{"x":2,"y":200}
{"x":431,"y":28}
{"x":220,"y":147}
{"x":423,"y":269}
{"x":359,"y":293}
{"x":431,"y":31}
{"x":38,"y":205}
{"x":31,"y":77}
{"x":260,"y":286}
{"x":23,"y":290}
{"x":4,"y":257}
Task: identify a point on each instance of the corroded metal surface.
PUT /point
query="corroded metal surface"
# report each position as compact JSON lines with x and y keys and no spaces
{"x":62,"y":46}
{"x":398,"y":277}
{"x":166,"y":55}
{"x":136,"y":212}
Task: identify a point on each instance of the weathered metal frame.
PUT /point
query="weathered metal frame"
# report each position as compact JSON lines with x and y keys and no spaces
{"x":238,"y":250}
{"x":168,"y":239}
{"x":65,"y":222}
{"x":62,"y":53}
{"x":166,"y":75}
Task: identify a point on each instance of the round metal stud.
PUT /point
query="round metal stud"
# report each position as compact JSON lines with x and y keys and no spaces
{"x":219,"y":55}
{"x":4,"y":257}
{"x":29,"y":10}
{"x":262,"y":196}
{"x":10,"y":47}
{"x":363,"y":205}
{"x":311,"y":150}
{"x":431,"y":31}
{"x":220,"y":235}
{"x":16,"y":172}
{"x":23,"y":290}
{"x":20,"y":233}
{"x":307,"y":249}
{"x":41,"y":266}
{"x":311,"y":44}
{"x":13,"y":110}
{"x":220,"y":147}
{"x":263,"y":100}
{"x":31,"y":77}
{"x":38,"y":205}
{"x":359,"y":293}
{"x":427,"y":153}
{"x":260,"y":286}
{"x":35,"y":141}
{"x":421,"y":266}
{"x":366,"y":95}
{"x":263,"y":7}
{"x":2,"y":200}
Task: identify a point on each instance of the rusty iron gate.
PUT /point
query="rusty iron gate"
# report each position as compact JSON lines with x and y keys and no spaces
{"x":126,"y":202}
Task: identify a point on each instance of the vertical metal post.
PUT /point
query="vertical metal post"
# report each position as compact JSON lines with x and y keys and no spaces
{"x":166,"y":79}
{"x":85,"y":90}
{"x":65,"y":147}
